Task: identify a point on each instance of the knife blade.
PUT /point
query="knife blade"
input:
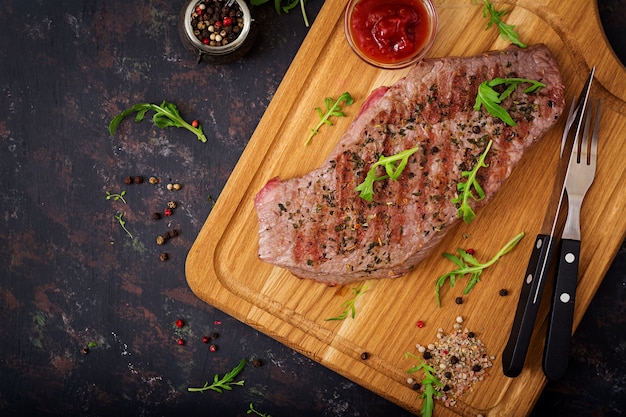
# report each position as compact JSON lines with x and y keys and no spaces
{"x":514,"y":353}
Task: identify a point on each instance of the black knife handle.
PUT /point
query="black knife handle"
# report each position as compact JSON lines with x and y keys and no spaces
{"x":514,"y":353}
{"x":561,"y":319}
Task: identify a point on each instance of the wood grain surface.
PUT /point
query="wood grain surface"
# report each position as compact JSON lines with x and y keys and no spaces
{"x":223,"y":269}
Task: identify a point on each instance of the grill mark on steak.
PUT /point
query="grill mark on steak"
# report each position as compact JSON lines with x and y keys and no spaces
{"x":318,"y":227}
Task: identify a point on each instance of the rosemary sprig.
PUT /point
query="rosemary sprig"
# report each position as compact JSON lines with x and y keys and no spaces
{"x":468,"y":264}
{"x":332,"y":109}
{"x":465,"y":189}
{"x":225,"y":383}
{"x":349,"y":307}
{"x":430,"y":382}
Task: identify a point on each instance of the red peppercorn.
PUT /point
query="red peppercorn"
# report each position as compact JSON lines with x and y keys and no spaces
{"x":419,"y":324}
{"x":205,"y":41}
{"x":167,"y":212}
{"x":198,"y":10}
{"x":180,"y":342}
{"x":228,"y":21}
{"x":218,"y":24}
{"x":180,"y":323}
{"x":217,"y":322}
{"x":195,"y":123}
{"x":470,"y":251}
{"x":213,"y":348}
{"x":206,"y":339}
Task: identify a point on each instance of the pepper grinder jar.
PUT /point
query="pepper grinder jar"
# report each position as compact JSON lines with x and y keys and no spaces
{"x":217,"y":31}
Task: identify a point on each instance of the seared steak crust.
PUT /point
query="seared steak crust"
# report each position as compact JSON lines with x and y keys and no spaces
{"x":318,"y":227}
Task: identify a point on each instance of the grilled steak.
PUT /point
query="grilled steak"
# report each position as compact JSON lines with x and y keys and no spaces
{"x":318,"y":227}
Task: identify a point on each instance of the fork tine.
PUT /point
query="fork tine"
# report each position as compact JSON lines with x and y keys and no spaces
{"x":594,"y":139}
{"x":583,"y":146}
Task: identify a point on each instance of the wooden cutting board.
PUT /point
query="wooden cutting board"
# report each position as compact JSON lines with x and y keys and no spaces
{"x":223,"y":269}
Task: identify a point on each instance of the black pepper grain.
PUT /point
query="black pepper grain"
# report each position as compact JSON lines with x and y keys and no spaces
{"x":476,"y":368}
{"x":365,"y":356}
{"x":256,"y":362}
{"x":156,"y":216}
{"x":128,"y":180}
{"x":427,"y":355}
{"x":471,"y":335}
{"x":138,"y":179}
{"x":458,"y":300}
{"x":163,"y":257}
{"x":454,"y":360}
{"x":503,"y":292}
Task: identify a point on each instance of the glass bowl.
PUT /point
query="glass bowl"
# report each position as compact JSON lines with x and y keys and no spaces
{"x":390,"y":34}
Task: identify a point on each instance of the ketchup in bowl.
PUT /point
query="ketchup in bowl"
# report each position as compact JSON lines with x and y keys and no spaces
{"x":390,"y":33}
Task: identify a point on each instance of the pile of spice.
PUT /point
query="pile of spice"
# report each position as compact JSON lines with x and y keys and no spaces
{"x":459,"y":359}
{"x":217,"y":22}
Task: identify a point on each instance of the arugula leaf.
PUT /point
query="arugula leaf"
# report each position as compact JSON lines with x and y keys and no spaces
{"x":165,"y":115}
{"x":491,"y":99}
{"x":332,"y":109}
{"x":225,"y":383}
{"x":394,"y":165}
{"x":468,"y":264}
{"x":349,"y":305}
{"x":465,"y":189}
{"x":286,"y":8}
{"x":495,"y":17}
{"x":430,"y":382}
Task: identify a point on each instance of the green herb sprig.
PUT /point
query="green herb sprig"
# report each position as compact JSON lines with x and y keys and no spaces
{"x":332,"y":109}
{"x":116,"y":196}
{"x":120,"y":219}
{"x":394,"y":165}
{"x":468,"y":264}
{"x":430,"y":382}
{"x":252,"y":410}
{"x":491,"y":99}
{"x":165,"y":115}
{"x":349,"y":307}
{"x":470,"y":189}
{"x":495,"y":17}
{"x":290,"y":4}
{"x":225,"y":383}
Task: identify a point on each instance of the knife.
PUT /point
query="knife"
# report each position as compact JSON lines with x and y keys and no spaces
{"x":514,"y":353}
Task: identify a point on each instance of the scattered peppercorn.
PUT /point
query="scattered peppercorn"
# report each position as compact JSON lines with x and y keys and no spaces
{"x":213,"y":348}
{"x":454,"y":360}
{"x":470,"y":251}
{"x":156,"y":216}
{"x":420,"y":324}
{"x":173,"y":233}
{"x":160,"y":240}
{"x":215,"y":335}
{"x":167,"y":212}
{"x":128,"y":180}
{"x":153,"y":180}
{"x":181,"y":342}
{"x":416,"y":386}
{"x":206,"y":339}
{"x":427,"y":355}
{"x":504,"y":292}
{"x":365,"y":356}
{"x":138,"y":179}
{"x":476,"y":368}
{"x":170,"y":186}
{"x":448,"y":374}
{"x":84,"y":350}
{"x":163,"y":257}
{"x":446,"y":388}
{"x":195,"y":123}
{"x":180,"y":323}
{"x":458,"y":300}
{"x":471,"y":335}
{"x":176,"y":186}
{"x":171,"y":204}
{"x":256,"y":362}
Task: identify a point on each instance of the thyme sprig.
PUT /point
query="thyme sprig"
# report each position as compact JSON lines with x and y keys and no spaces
{"x":116,"y":196}
{"x":491,"y":99}
{"x":468,"y":264}
{"x":120,"y":219}
{"x":394,"y":165}
{"x":349,"y":307}
{"x":470,"y":189}
{"x":495,"y":17}
{"x":165,"y":115}
{"x":429,"y":382}
{"x":332,"y":109}
{"x":225,"y":383}
{"x":252,"y":410}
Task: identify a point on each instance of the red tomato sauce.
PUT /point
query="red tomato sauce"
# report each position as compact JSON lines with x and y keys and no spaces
{"x":389,"y":31}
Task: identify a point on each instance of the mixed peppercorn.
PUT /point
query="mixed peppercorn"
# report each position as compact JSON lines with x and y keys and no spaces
{"x":217,"y":22}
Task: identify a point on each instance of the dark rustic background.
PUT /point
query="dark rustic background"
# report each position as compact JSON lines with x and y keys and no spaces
{"x":71,"y":276}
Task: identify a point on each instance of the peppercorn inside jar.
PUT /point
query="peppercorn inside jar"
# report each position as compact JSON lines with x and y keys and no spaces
{"x":217,"y":31}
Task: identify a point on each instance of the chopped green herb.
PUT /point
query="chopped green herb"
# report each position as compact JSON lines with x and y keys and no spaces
{"x":332,"y":109}
{"x":491,"y":99}
{"x":394,"y":165}
{"x":252,"y":410}
{"x":122,"y":222}
{"x":349,"y":307}
{"x":92,"y":344}
{"x":468,"y":264}
{"x":506,"y":31}
{"x":165,"y":115}
{"x":430,"y":382}
{"x":225,"y":383}
{"x":465,"y":189}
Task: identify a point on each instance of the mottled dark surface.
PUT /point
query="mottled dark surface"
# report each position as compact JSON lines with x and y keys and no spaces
{"x":70,"y":275}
